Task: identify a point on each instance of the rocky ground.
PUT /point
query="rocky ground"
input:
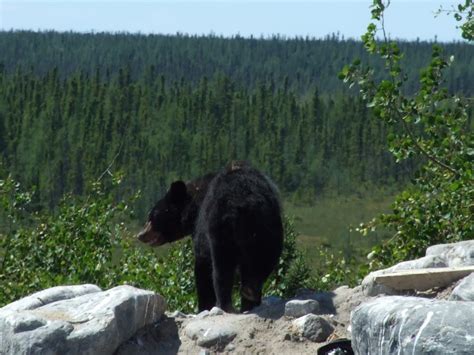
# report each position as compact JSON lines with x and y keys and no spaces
{"x":298,"y":326}
{"x":274,"y":328}
{"x":438,"y":320}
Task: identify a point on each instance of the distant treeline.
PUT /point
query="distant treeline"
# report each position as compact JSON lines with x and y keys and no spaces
{"x":306,"y":62}
{"x":58,"y":135}
{"x":161,"y":108}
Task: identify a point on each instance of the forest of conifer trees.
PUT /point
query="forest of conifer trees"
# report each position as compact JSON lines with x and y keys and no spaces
{"x":165,"y":107}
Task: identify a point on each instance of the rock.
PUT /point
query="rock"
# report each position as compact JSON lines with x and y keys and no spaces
{"x":202,"y":314}
{"x":372,"y":288}
{"x":299,"y":308}
{"x":216,"y":311}
{"x":176,"y":314}
{"x":313,"y":327}
{"x":424,"y":279}
{"x":412,"y":325}
{"x":454,"y":254}
{"x":91,"y":323}
{"x":210,"y":333}
{"x":161,"y":337}
{"x":464,"y":291}
{"x":443,"y":255}
{"x":50,"y":295}
{"x":230,"y":347}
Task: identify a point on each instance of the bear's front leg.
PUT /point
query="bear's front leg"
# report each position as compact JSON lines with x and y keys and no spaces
{"x":203,"y":272}
{"x":204,"y":284}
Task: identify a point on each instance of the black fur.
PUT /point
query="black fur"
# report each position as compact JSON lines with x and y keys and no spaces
{"x":235,"y":221}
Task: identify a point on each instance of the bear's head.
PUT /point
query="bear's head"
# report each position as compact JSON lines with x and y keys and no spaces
{"x":165,"y":219}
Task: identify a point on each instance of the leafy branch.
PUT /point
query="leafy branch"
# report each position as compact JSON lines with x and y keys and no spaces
{"x":431,"y":123}
{"x":462,"y":12}
{"x":392,"y":58}
{"x":391,"y":105}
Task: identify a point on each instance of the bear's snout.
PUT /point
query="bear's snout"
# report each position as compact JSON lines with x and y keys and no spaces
{"x":149,"y":236}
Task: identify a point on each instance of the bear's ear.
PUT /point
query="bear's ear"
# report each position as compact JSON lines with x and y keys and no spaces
{"x":178,"y":191}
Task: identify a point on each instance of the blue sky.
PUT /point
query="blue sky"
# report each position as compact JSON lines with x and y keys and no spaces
{"x":317,"y":18}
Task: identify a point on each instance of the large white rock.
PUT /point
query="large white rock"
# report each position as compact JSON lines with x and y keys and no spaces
{"x":437,"y":256}
{"x":50,"y":295}
{"x":413,"y":325}
{"x":424,"y":279}
{"x":77,"y":320}
{"x":465,"y":290}
{"x":454,"y":254}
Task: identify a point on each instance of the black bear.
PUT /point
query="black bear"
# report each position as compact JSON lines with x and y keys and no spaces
{"x":235,"y":221}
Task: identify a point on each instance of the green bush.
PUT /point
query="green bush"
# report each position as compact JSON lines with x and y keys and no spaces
{"x":76,"y":244}
{"x":172,"y":275}
{"x":335,"y":269}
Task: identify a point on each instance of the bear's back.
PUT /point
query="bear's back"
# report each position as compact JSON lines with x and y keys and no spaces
{"x":240,"y":199}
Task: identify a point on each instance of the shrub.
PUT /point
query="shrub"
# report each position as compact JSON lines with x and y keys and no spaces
{"x":76,"y":244}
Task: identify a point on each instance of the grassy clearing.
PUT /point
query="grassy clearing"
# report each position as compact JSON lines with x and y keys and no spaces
{"x":329,"y":221}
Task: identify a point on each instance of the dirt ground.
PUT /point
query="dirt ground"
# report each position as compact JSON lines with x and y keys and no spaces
{"x":266,"y":330}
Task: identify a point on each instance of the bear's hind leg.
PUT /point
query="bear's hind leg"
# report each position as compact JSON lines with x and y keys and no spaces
{"x":224,"y":265}
{"x":250,"y":288}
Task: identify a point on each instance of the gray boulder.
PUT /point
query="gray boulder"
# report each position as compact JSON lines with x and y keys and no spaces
{"x":412,"y":325}
{"x":211,"y":332}
{"x":299,"y":308}
{"x":454,"y":254}
{"x":216,"y":311}
{"x":77,"y":320}
{"x":50,"y":295}
{"x":437,"y":256}
{"x":464,"y":291}
{"x":313,"y":327}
